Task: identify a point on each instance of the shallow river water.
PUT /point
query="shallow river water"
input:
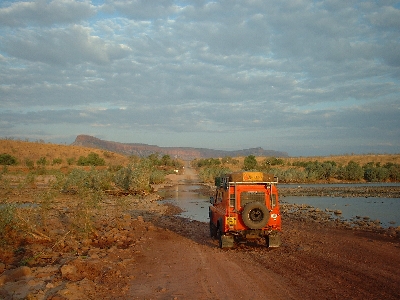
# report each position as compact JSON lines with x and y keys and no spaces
{"x":189,"y":198}
{"x":387,"y":210}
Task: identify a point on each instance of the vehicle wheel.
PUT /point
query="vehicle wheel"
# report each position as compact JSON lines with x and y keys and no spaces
{"x":213,"y":230}
{"x":255,"y":215}
{"x":219,"y":237}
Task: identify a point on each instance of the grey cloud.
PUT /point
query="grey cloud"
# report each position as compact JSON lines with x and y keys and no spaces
{"x":44,"y":12}
{"x":142,"y":9}
{"x":59,"y":46}
{"x":305,"y":70}
{"x":387,"y":17}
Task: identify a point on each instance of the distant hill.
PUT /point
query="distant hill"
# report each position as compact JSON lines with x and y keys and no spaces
{"x":186,"y":153}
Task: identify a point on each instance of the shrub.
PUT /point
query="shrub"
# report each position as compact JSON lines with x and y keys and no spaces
{"x":41,"y":161}
{"x":7,"y":220}
{"x":208,"y":174}
{"x":57,"y":161}
{"x":229,"y":160}
{"x":93,"y":159}
{"x":94,"y":180}
{"x":290,"y":175}
{"x":136,"y":177}
{"x":7,"y":159}
{"x":353,"y":171}
{"x":394,"y":171}
{"x":273,"y":161}
{"x":250,"y":163}
{"x":157,"y":177}
{"x":29,"y":163}
{"x":207,"y":162}
{"x":90,"y":187}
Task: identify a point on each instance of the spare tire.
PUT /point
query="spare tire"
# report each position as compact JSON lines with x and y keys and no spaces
{"x":255,"y":215}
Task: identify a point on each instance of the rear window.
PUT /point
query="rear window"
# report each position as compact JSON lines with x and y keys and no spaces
{"x":248,"y":197}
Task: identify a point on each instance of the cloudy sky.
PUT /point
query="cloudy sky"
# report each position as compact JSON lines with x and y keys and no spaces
{"x":307,"y":77}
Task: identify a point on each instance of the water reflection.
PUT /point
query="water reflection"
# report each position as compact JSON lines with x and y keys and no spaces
{"x":190,"y":199}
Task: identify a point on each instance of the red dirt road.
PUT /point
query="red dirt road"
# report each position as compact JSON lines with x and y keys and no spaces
{"x":176,"y":260}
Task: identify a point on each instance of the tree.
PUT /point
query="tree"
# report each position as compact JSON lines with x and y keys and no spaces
{"x":353,"y":171}
{"x":250,"y":163}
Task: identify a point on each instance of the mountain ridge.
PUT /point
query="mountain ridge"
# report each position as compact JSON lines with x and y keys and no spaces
{"x":186,"y":153}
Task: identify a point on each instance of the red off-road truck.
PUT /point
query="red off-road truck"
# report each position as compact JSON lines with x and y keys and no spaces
{"x":245,"y":206}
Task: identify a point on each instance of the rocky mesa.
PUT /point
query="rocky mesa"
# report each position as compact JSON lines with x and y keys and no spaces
{"x":185,"y":153}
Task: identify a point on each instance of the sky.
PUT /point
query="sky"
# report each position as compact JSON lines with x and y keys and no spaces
{"x":307,"y":77}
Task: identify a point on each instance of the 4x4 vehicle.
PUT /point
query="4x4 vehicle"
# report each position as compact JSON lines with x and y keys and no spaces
{"x":245,"y":206}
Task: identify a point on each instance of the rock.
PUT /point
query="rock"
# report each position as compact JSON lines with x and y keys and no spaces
{"x":2,"y":267}
{"x":3,"y":279}
{"x":50,"y":285}
{"x":94,"y":253}
{"x":151,"y":228}
{"x":69,"y":272}
{"x":15,"y":275}
{"x":86,"y":242}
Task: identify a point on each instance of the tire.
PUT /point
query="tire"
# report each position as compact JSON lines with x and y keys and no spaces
{"x":213,"y":230}
{"x":219,"y":237}
{"x":255,"y":215}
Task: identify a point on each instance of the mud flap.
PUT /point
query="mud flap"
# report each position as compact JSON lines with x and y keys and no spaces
{"x":226,"y":241}
{"x":273,"y":240}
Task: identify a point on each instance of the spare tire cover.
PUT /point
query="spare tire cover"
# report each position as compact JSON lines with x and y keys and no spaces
{"x":255,"y":215}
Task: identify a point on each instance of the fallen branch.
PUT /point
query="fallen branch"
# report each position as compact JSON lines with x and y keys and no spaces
{"x":34,"y":232}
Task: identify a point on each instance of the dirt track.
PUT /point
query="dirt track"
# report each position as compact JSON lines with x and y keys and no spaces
{"x":180,"y":261}
{"x":313,"y":263}
{"x":151,"y":254}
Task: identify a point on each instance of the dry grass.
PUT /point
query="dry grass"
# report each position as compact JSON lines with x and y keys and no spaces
{"x":339,"y":159}
{"x":33,"y":151}
{"x":345,"y":159}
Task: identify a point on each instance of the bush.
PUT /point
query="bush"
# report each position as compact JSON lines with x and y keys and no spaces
{"x":7,"y":160}
{"x":94,"y":180}
{"x":41,"y":161}
{"x":229,"y":160}
{"x":90,"y":186}
{"x":93,"y":159}
{"x":208,"y":174}
{"x":273,"y":161}
{"x":250,"y":163}
{"x":207,"y":162}
{"x":290,"y":175}
{"x":353,"y":171}
{"x":394,"y":171}
{"x":29,"y":163}
{"x":8,"y":221}
{"x":57,"y":161}
{"x":136,"y":177}
{"x":157,"y":177}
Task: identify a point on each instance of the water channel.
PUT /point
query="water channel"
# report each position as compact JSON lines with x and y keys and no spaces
{"x":387,"y":210}
{"x":189,"y":198}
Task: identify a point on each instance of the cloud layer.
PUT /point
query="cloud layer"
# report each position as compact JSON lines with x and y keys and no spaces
{"x":306,"y":77}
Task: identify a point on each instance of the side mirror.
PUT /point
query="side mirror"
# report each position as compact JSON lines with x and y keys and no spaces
{"x":212,"y":200}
